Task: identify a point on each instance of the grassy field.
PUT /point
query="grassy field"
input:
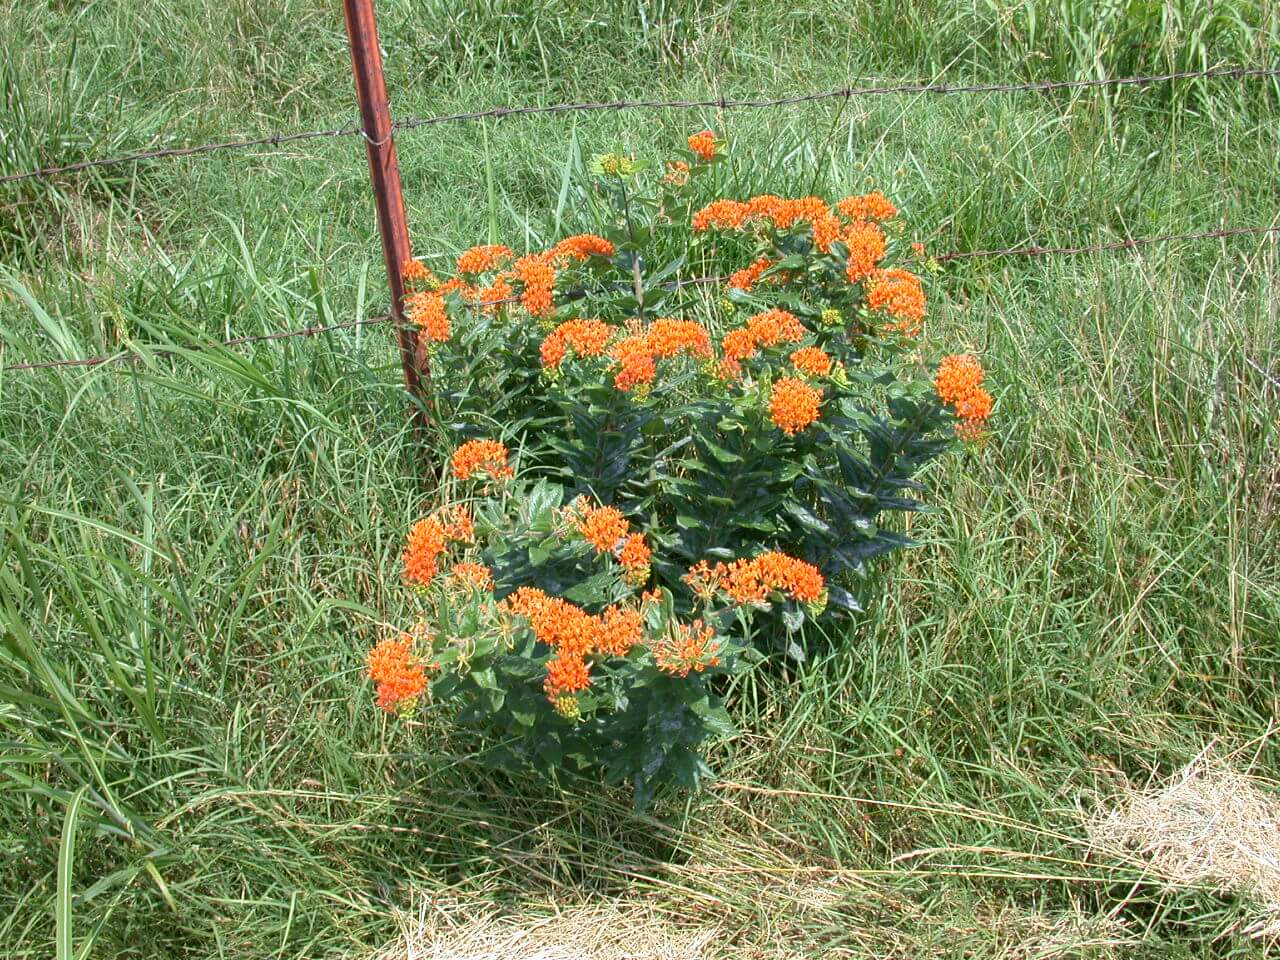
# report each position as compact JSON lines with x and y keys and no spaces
{"x":195,"y":553}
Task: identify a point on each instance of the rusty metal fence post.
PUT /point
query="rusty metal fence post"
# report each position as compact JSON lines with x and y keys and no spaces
{"x":384,"y":173}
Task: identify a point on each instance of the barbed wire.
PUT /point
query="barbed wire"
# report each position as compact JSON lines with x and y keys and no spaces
{"x":1025,"y":251}
{"x":720,"y":103}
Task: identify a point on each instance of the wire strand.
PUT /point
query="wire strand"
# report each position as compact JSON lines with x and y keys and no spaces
{"x":1025,"y":251}
{"x":720,"y":103}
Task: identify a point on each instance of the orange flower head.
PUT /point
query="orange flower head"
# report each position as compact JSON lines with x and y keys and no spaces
{"x":488,"y":457}
{"x":975,"y":407}
{"x":497,"y":293}
{"x":581,"y":246}
{"x":774,"y":327}
{"x":746,"y":278}
{"x":959,"y":375}
{"x":826,"y":231}
{"x":398,"y":675}
{"x":788,"y":575}
{"x":587,"y":338}
{"x":634,"y":552}
{"x":484,"y":257}
{"x":620,"y":630}
{"x":720,"y":215}
{"x":427,"y":309}
{"x":667,"y":337}
{"x":677,"y":174}
{"x":456,"y":523}
{"x":868,"y":206}
{"x":636,"y":366}
{"x":899,"y":294}
{"x":866,"y":245}
{"x":538,"y":279}
{"x":602,"y":527}
{"x":688,"y":648}
{"x":565,"y":675}
{"x":704,"y":145}
{"x":811,"y":360}
{"x":471,"y":576}
{"x":416,"y":272}
{"x":739,"y":344}
{"x":793,"y":405}
{"x":426,"y":541}
{"x":972,"y":431}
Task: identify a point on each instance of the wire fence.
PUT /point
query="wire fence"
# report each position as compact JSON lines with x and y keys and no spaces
{"x":720,"y":103}
{"x":312,"y":331}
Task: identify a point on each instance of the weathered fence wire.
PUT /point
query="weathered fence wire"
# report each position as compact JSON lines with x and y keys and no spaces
{"x":312,"y":331}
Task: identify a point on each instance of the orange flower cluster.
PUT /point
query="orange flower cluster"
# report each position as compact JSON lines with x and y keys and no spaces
{"x":868,"y":206}
{"x":900,"y":294}
{"x":490,"y":297}
{"x":636,"y":365}
{"x":866,"y":245}
{"x":704,"y":145}
{"x":668,"y":337}
{"x":752,"y":581}
{"x":635,"y":555}
{"x":484,"y":257}
{"x":481,"y":456}
{"x":959,"y":385}
{"x":538,"y":277}
{"x":429,"y":537}
{"x":581,"y":246}
{"x":416,"y":272}
{"x":587,"y":338}
{"x":602,"y":527}
{"x":793,"y":405}
{"x":746,"y":278}
{"x":689,"y":647}
{"x":573,"y":634}
{"x":811,"y":360}
{"x":677,"y":174}
{"x":472,"y":576}
{"x":426,"y":308}
{"x":398,"y":674}
{"x":721,"y":215}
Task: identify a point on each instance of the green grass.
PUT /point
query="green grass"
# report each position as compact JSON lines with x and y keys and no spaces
{"x":196,"y":552}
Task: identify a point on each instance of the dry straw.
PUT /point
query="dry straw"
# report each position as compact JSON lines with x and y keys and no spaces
{"x":1208,"y":826}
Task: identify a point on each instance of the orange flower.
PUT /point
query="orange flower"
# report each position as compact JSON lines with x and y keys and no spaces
{"x":565,"y":674}
{"x":427,"y":309}
{"x":567,"y":629}
{"x":959,"y":375}
{"x":866,"y":249}
{"x":603,"y":527}
{"x":398,"y":674}
{"x":636,"y":366}
{"x":538,"y":278}
{"x":620,"y":630}
{"x":634,"y":552}
{"x":415,"y":272}
{"x":738,"y":344}
{"x":581,"y":246}
{"x":667,"y":337}
{"x":704,"y":145}
{"x":797,"y":579}
{"x":793,"y":405}
{"x":812,"y":361}
{"x":775,"y":326}
{"x":751,"y":581}
{"x":689,"y":647}
{"x":677,"y":173}
{"x":481,"y":456}
{"x":484,"y":257}
{"x":425,"y":543}
{"x":745,"y":279}
{"x":868,"y":206}
{"x":472,"y":575}
{"x":720,"y":214}
{"x":976,"y":406}
{"x":971,"y":431}
{"x":456,"y":523}
{"x":704,"y":580}
{"x":587,"y":337}
{"x":899,"y":294}
{"x":826,"y":231}
{"x":494,"y":295}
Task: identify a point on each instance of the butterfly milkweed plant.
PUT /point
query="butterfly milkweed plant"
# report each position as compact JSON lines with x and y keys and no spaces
{"x":658,"y":474}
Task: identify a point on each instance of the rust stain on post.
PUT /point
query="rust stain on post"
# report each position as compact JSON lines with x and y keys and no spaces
{"x":384,"y":172}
